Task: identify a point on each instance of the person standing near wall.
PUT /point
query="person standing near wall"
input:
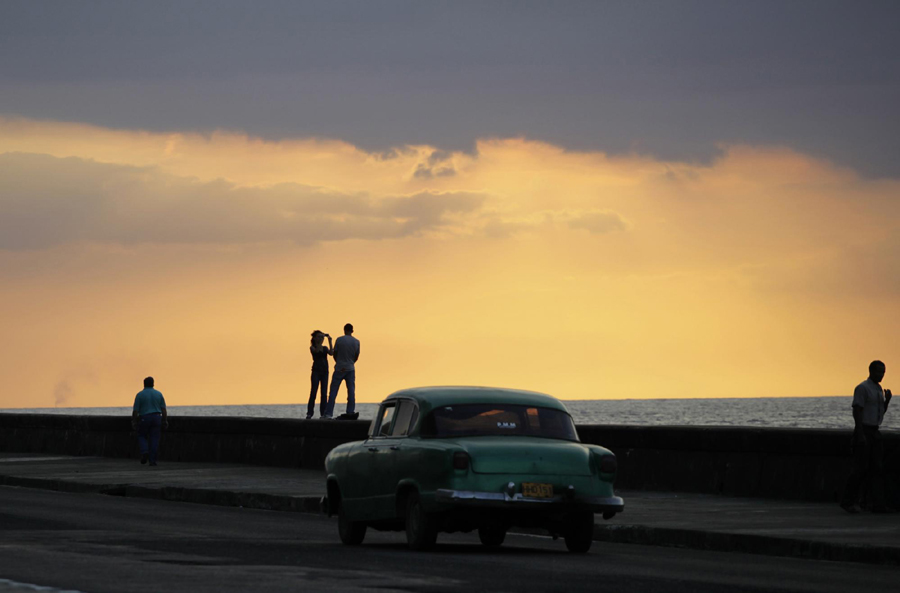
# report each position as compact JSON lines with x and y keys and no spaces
{"x":870,"y":402}
{"x":319,"y":377}
{"x":149,"y":417}
{"x":346,"y":353}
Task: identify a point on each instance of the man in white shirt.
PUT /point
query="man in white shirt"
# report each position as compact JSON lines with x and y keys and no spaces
{"x":870,"y":402}
{"x":346,"y":353}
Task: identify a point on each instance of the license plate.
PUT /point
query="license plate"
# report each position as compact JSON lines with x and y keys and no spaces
{"x":537,"y":490}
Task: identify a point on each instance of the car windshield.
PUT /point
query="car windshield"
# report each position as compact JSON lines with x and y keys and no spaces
{"x":498,"y":420}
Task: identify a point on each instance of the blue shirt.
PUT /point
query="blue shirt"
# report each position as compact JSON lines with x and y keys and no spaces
{"x":149,"y":401}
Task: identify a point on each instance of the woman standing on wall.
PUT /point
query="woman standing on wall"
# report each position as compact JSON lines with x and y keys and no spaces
{"x":319,"y":372}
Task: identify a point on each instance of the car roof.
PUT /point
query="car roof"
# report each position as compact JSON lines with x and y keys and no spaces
{"x":429,"y":398}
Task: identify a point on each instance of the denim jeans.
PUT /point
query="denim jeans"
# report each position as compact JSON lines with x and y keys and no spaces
{"x":318,"y":379}
{"x":148,"y":435}
{"x":336,"y":378}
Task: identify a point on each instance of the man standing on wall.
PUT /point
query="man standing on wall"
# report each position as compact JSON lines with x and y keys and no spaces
{"x":346,"y":353}
{"x":870,"y":402}
{"x":148,"y":417}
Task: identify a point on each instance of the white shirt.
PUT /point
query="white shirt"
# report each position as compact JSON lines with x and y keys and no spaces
{"x":346,"y":351}
{"x":869,"y":396}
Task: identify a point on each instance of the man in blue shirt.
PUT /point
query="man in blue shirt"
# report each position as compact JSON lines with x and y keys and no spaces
{"x":148,"y":417}
{"x":346,"y":353}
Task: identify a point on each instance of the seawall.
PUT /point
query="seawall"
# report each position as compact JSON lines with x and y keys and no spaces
{"x":803,"y":464}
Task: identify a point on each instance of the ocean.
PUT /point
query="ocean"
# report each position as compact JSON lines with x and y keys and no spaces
{"x":791,"y":412}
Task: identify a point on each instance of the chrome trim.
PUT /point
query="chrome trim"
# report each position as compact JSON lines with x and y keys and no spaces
{"x":596,"y":503}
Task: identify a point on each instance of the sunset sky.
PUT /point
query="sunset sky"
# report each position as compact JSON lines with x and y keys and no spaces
{"x":590,"y":199}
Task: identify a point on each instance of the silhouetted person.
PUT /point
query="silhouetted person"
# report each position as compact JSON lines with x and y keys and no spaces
{"x":346,"y":353}
{"x":319,"y":376}
{"x":149,"y":417}
{"x":870,"y":402}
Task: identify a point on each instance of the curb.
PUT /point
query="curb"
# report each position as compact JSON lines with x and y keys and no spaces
{"x":746,"y":543}
{"x":227,"y":498}
{"x":621,"y":534}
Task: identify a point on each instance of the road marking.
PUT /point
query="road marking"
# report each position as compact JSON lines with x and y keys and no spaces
{"x":9,"y":586}
{"x":13,"y":459}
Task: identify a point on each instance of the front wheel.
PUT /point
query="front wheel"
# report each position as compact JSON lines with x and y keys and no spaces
{"x":580,"y":532}
{"x":421,"y":529}
{"x":352,"y":532}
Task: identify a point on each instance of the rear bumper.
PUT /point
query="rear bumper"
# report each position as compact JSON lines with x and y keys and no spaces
{"x":598,"y":504}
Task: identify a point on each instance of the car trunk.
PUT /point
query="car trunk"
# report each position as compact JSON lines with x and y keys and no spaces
{"x":526,"y":455}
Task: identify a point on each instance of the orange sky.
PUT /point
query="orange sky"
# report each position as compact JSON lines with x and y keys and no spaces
{"x":206,"y":260}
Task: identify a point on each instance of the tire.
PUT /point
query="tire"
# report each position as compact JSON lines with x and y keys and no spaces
{"x":492,"y":535}
{"x":580,"y":532}
{"x":352,"y":532}
{"x":421,"y":528}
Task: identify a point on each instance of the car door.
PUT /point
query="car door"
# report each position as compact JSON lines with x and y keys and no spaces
{"x":390,"y":456}
{"x":356,"y":485}
{"x":379,"y":472}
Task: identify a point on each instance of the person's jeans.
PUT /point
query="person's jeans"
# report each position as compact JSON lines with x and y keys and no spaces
{"x":149,"y":427}
{"x":868,"y":468}
{"x":336,"y":378}
{"x":319,"y":379}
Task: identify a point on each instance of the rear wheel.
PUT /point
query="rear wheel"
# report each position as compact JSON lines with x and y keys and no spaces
{"x":580,"y":531}
{"x":492,"y":535}
{"x":352,"y":532}
{"x":421,"y":528}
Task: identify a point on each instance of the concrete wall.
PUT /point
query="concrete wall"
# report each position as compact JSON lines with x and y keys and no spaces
{"x":759,"y":462}
{"x":803,"y":464}
{"x":259,"y":441}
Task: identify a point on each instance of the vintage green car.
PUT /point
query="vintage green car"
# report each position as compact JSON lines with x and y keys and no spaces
{"x":465,"y":458}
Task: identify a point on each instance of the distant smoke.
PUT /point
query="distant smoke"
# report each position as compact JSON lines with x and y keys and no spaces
{"x":62,"y":392}
{"x":65,"y":387}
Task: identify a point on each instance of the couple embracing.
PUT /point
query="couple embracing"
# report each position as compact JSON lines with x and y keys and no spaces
{"x":345,"y":352}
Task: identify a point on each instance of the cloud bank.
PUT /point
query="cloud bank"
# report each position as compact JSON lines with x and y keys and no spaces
{"x":49,"y":201}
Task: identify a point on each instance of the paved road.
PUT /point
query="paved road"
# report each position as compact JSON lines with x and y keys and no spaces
{"x":93,"y":542}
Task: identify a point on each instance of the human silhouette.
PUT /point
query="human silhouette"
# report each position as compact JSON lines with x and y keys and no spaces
{"x":319,"y":377}
{"x":346,"y":353}
{"x":148,"y":417}
{"x":870,"y":402}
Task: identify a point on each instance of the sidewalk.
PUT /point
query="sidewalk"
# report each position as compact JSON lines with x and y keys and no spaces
{"x":758,"y":526}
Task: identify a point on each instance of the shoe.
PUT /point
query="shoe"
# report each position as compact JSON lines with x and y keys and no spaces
{"x":153,"y":464}
{"x":325,"y":417}
{"x":309,"y":417}
{"x":143,"y":458}
{"x":853,"y":509}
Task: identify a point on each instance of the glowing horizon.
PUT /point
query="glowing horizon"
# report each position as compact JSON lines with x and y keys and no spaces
{"x":206,"y":259}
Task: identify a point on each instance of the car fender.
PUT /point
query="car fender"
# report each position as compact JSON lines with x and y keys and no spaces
{"x":404,"y":488}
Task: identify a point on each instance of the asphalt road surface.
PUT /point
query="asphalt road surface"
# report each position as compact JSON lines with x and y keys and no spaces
{"x":92,"y":542}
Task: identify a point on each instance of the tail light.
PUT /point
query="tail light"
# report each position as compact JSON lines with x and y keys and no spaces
{"x":608,"y":464}
{"x":460,"y":460}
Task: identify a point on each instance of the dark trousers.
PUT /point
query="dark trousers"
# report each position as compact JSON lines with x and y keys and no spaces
{"x":318,"y":380}
{"x":148,"y":435}
{"x":868,"y":467}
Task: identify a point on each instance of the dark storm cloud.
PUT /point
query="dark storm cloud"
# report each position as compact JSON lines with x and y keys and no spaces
{"x":48,"y":201}
{"x":670,"y":79}
{"x":437,"y":165}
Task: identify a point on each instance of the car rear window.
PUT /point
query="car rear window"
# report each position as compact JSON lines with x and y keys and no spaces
{"x":498,"y":420}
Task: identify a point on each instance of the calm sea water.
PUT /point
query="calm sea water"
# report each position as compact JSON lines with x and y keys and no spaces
{"x":797,"y":412}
